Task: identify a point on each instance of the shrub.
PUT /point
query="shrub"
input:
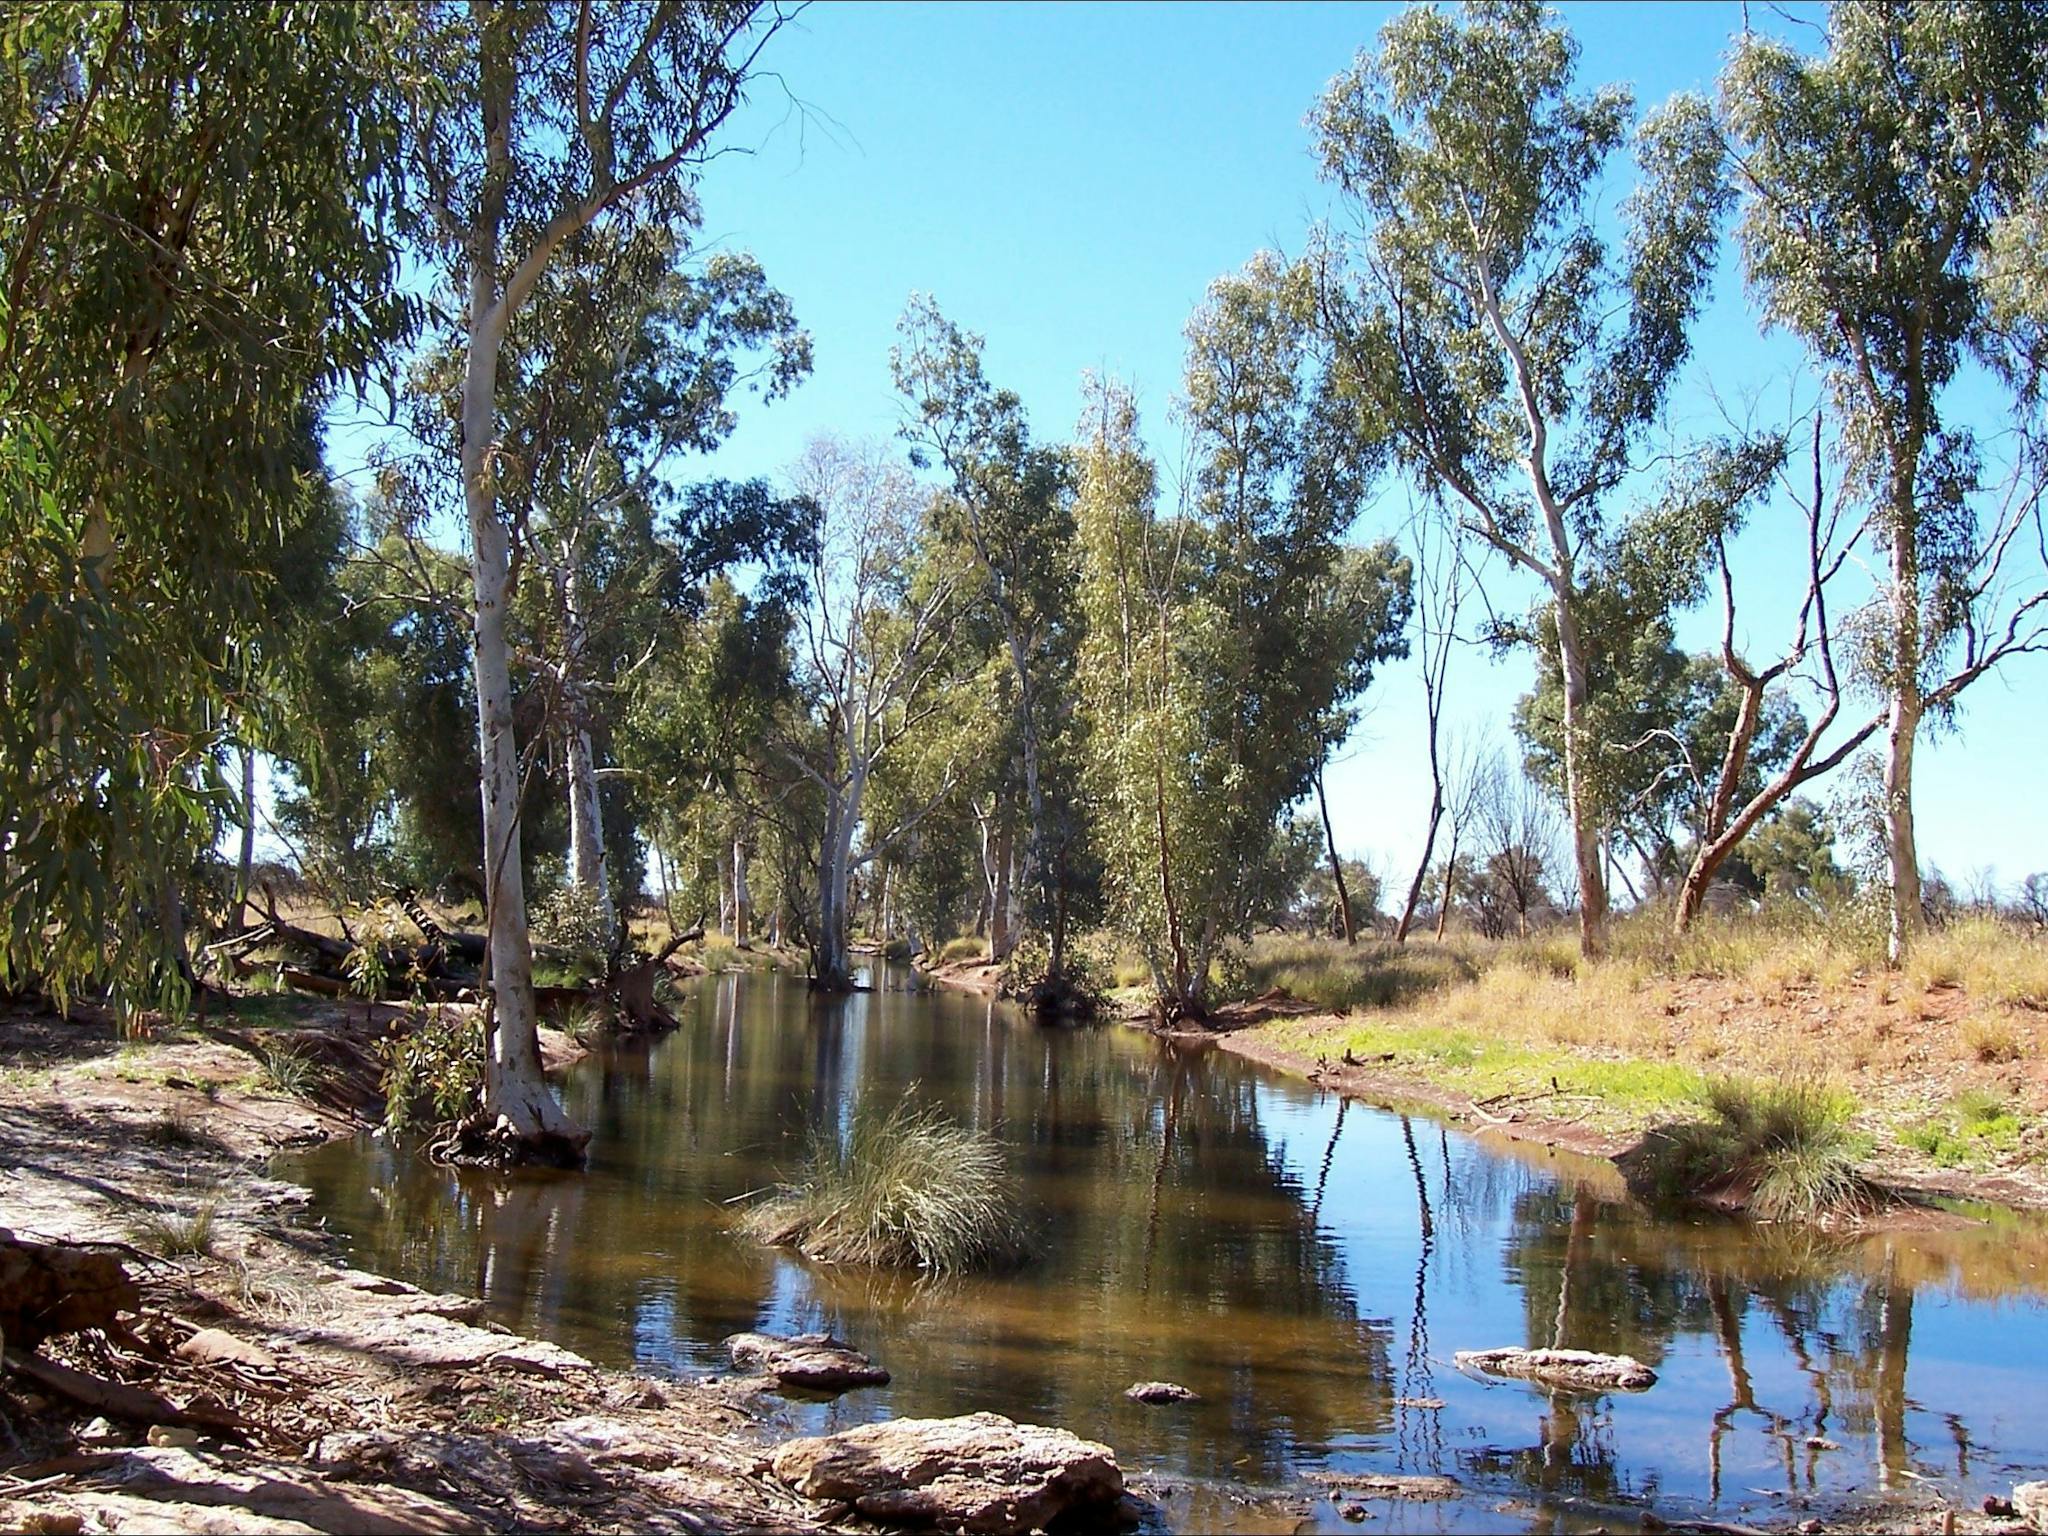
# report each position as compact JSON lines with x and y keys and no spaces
{"x":1783,"y":1150}
{"x":907,"y":1187}
{"x":433,"y":1067}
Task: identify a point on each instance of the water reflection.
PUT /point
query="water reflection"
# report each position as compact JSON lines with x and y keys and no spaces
{"x":1307,"y":1266}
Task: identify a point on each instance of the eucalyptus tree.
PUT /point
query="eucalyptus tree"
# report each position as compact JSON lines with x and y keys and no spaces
{"x":1875,"y":175}
{"x":875,"y":667}
{"x":529,"y":124}
{"x":1481,"y":322}
{"x":1223,"y":643}
{"x":630,"y":355}
{"x":191,"y":220}
{"x":1008,"y":503}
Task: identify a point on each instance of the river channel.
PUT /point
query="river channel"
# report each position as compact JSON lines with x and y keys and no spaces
{"x":1307,"y":1266}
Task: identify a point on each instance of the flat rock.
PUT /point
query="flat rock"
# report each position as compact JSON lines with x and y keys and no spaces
{"x":2030,"y":1503}
{"x":1160,"y":1392}
{"x":981,"y":1473}
{"x":606,"y":1440}
{"x":213,"y":1344}
{"x":816,"y":1362}
{"x":1579,"y":1368}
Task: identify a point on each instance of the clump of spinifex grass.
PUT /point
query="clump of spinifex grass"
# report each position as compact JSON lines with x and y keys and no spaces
{"x":1782,"y":1151}
{"x":906,"y":1187}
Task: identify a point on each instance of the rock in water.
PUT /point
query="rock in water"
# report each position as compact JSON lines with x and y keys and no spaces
{"x":1160,"y":1392}
{"x":979,"y":1473}
{"x":815,"y":1361}
{"x":1578,"y":1368}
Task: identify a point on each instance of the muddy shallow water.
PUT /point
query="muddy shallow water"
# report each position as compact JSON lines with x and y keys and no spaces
{"x":1307,"y":1266}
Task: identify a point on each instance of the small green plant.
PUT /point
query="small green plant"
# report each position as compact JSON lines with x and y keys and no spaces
{"x":292,"y":1070}
{"x":164,"y":1232}
{"x":906,"y":1187}
{"x":1783,"y":1150}
{"x":1979,"y":1127}
{"x":433,"y":1067}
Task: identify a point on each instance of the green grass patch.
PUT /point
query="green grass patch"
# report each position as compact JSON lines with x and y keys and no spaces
{"x":906,"y":1188}
{"x":1980,"y":1128}
{"x":167,"y":1234}
{"x":966,"y":947}
{"x":1626,"y":1090}
{"x":290,"y":1069}
{"x":1783,"y":1151}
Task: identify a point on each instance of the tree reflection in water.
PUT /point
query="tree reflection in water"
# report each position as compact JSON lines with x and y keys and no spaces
{"x":1198,"y":1221}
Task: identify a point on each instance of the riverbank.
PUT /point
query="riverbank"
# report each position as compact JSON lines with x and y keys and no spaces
{"x":332,"y":1399}
{"x":1942,"y":1062}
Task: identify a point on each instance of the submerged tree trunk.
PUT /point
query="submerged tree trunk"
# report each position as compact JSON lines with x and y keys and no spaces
{"x":1336,"y":864}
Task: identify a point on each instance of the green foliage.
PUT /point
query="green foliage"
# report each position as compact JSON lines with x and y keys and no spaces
{"x":1224,"y":646}
{"x":965,"y":947}
{"x":432,"y":1064}
{"x":198,"y":253}
{"x":904,"y":1187}
{"x":1784,"y":1149}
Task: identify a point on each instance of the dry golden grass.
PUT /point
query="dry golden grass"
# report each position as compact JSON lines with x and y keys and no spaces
{"x":1750,"y":997}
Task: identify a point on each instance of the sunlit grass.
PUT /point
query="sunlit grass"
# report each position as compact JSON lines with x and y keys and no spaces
{"x":166,"y":1233}
{"x":964,"y":948}
{"x":905,"y":1188}
{"x":1784,"y":1150}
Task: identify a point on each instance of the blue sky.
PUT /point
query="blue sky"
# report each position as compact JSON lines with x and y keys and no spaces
{"x":1067,"y":180}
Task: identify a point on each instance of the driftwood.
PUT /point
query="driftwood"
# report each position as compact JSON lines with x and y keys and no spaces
{"x":136,"y":1404}
{"x":632,"y":986}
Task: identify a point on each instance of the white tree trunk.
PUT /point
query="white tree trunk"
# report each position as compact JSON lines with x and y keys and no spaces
{"x":586,"y":811}
{"x":1902,"y":854}
{"x":1002,"y":935}
{"x":247,"y":862}
{"x":1586,"y":841}
{"x":742,"y":904}
{"x":516,"y":1093}
{"x":835,"y":878}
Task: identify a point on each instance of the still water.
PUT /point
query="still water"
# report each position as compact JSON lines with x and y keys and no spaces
{"x":1307,"y":1266}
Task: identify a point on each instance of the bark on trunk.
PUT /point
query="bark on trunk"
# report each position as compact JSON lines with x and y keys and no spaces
{"x":1902,"y":854}
{"x":742,"y":904}
{"x":1002,"y":938}
{"x":834,"y":970}
{"x":1336,"y":864}
{"x":247,"y":860}
{"x":586,"y":811}
{"x":1443,"y":907}
{"x":517,"y":1099}
{"x":1586,"y":841}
